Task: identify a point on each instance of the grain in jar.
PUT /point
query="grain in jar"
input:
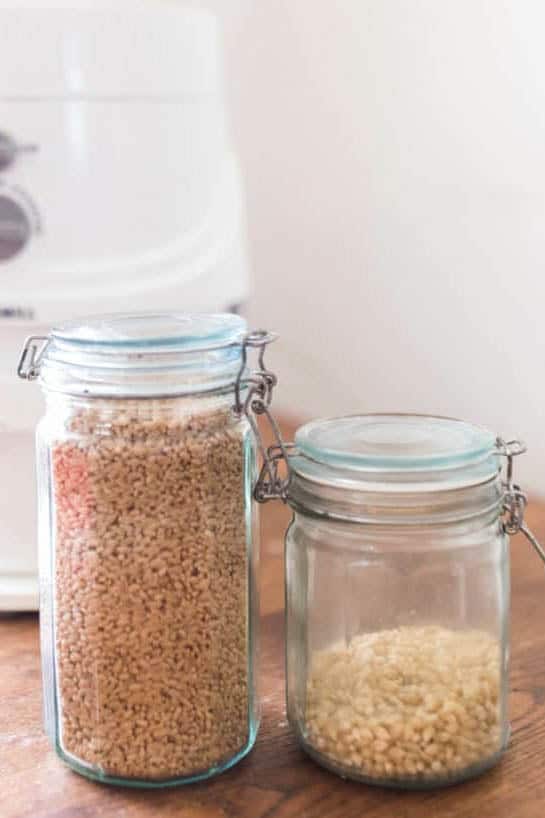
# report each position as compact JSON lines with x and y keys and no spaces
{"x":410,"y":704}
{"x":151,"y":592}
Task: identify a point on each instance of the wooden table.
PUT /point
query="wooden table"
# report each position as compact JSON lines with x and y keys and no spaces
{"x":277,"y":780}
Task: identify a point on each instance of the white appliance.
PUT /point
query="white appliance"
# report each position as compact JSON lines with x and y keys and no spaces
{"x":119,"y":190}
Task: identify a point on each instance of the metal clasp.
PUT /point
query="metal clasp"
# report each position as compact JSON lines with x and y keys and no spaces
{"x":31,"y":357}
{"x":514,"y":499}
{"x":260,"y":384}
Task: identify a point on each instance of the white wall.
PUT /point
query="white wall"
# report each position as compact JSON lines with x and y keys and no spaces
{"x":394,"y":153}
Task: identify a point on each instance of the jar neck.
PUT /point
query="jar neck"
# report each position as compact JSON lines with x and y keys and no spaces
{"x":85,"y":371}
{"x":414,"y":539}
{"x":398,"y":507}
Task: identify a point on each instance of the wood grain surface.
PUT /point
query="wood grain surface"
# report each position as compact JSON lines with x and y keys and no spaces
{"x":277,"y":780}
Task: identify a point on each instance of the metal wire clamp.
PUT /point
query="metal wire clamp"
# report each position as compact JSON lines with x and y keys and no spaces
{"x":31,"y":357}
{"x":258,"y":386}
{"x":514,"y":499}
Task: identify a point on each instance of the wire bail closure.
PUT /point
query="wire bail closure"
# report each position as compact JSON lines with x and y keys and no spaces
{"x":260,"y":384}
{"x":514,"y":499}
{"x":31,"y":357}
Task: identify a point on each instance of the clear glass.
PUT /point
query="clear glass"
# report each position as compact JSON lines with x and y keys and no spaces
{"x":397,"y":647}
{"x":148,"y":559}
{"x":397,"y":599}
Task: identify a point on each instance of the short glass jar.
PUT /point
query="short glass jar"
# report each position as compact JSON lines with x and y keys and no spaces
{"x":148,"y":547}
{"x":397,"y":598}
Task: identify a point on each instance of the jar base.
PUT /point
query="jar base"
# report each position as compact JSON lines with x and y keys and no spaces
{"x":93,"y":774}
{"x":413,"y":783}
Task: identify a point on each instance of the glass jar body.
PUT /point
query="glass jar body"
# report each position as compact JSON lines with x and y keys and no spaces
{"x":148,"y":555}
{"x":397,"y":647}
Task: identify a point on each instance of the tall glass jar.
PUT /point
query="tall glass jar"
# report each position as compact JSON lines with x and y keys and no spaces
{"x":148,"y":548}
{"x":397,"y":568}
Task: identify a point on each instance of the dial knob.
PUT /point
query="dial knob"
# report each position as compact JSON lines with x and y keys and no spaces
{"x":15,"y":228}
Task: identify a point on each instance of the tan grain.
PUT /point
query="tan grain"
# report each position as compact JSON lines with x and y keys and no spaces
{"x":433,"y":703}
{"x":151,"y":588}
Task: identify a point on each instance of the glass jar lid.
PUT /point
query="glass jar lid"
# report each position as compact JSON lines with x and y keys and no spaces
{"x":148,"y":331}
{"x":387,"y":454}
{"x":395,"y":443}
{"x":395,"y":469}
{"x":143,"y":354}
